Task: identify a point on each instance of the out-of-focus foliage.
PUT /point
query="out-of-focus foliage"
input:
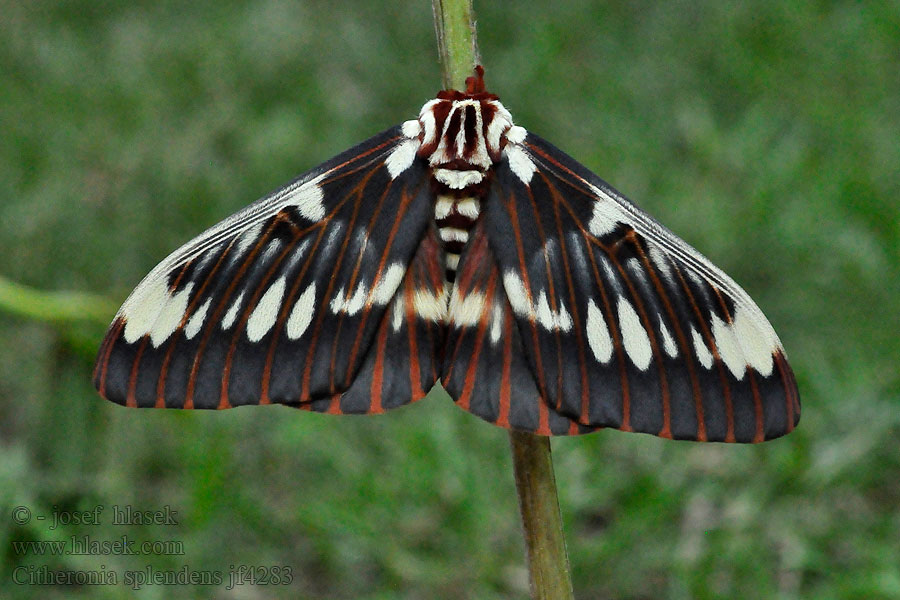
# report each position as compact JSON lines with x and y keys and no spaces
{"x":765,"y":133}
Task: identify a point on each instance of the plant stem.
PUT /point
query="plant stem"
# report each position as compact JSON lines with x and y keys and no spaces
{"x":58,"y":306}
{"x":548,"y":563}
{"x":454,"y":28}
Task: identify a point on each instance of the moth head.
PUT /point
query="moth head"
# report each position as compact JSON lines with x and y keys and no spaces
{"x":464,"y":129}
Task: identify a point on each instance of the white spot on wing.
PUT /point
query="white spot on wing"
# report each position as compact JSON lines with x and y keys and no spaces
{"x":397,"y":321}
{"x":605,"y":217}
{"x":541,"y":312}
{"x":231,"y":315}
{"x":426,"y":304}
{"x":634,"y":336}
{"x":550,"y":319}
{"x":334,"y":235}
{"x":668,"y":343}
{"x":196,"y":321}
{"x":576,"y":252}
{"x":170,"y":316}
{"x":266,"y":311}
{"x":637,"y":272}
{"x":729,"y":349}
{"x":388,"y":284}
{"x":496,"y":323}
{"x":466,"y":310}
{"x":517,"y":295}
{"x":355,"y":302}
{"x":271,"y":250}
{"x":520,"y":164}
{"x":757,"y":340}
{"x":308,"y":199}
{"x":430,"y":306}
{"x":143,"y":307}
{"x":612,"y":276}
{"x":703,"y":354}
{"x":598,"y":333}
{"x":402,"y":157}
{"x":302,"y":313}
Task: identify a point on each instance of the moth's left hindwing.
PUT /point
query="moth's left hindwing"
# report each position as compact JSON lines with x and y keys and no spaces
{"x":301,"y":298}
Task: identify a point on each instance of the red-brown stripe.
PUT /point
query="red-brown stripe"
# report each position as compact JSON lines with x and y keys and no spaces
{"x":503,"y":412}
{"x":666,"y":430}
{"x":415,"y":373}
{"x":334,"y":405}
{"x":682,"y":341}
{"x":729,"y":405}
{"x":726,"y":390}
{"x":103,"y":364}
{"x":523,"y":271}
{"x":214,"y":319}
{"x":405,"y":199}
{"x":543,"y":418}
{"x":316,"y":328}
{"x":224,"y":402}
{"x":617,"y":340}
{"x":757,"y":406}
{"x":789,"y":390}
{"x":279,"y":324}
{"x":479,"y":340}
{"x":130,"y":399}
{"x":551,"y":292}
{"x":290,"y":298}
{"x":352,"y":284}
{"x":163,"y":372}
{"x":378,"y":370}
{"x":576,"y":317}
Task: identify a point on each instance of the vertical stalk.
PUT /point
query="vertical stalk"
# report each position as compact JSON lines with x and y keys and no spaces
{"x":548,"y":563}
{"x":454,"y":28}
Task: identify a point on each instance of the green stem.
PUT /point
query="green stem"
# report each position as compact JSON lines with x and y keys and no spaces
{"x":59,"y":306}
{"x":548,"y":563}
{"x":454,"y":27}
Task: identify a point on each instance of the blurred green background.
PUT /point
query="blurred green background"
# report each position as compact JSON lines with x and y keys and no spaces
{"x":767,"y":134}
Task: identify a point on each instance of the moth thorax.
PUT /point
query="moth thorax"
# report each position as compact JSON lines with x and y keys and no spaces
{"x":464,"y":133}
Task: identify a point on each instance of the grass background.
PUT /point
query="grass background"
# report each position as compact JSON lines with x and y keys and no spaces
{"x":765,"y":133}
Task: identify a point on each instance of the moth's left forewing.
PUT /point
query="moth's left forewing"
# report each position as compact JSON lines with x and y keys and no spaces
{"x":624,"y":324}
{"x":291,"y":300}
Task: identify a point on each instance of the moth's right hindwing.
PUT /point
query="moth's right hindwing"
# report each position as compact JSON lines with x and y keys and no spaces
{"x":289,"y":301}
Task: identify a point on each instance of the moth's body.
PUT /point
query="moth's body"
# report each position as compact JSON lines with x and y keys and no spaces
{"x":457,"y":248}
{"x":461,"y":136}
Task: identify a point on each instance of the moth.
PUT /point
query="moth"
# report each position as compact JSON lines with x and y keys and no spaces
{"x":456,"y":248}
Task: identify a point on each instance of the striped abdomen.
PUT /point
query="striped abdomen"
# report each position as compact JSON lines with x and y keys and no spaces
{"x":458,"y":201}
